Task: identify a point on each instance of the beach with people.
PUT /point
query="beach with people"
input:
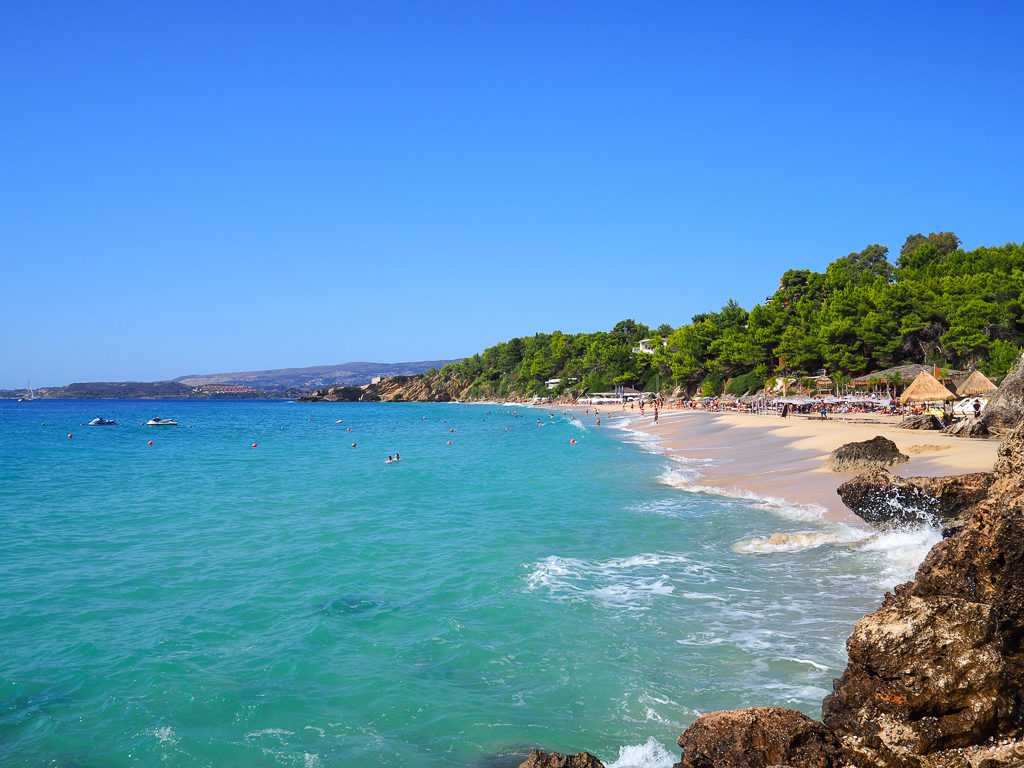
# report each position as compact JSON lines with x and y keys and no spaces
{"x":760,"y":455}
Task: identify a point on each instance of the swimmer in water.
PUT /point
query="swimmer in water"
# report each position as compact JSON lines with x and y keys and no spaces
{"x":397,"y":457}
{"x":388,"y":461}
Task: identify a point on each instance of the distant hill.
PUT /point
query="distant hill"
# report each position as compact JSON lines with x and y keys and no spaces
{"x":344,"y":374}
{"x":118,"y":389}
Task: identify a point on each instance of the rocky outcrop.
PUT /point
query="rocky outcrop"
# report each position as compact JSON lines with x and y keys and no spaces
{"x":425,"y":388}
{"x":757,"y":736}
{"x":540,"y":759}
{"x":876,"y":453}
{"x":1005,"y":411}
{"x":887,"y":501}
{"x":971,"y":427}
{"x":333,"y":395}
{"x":935,"y":677}
{"x":920,"y":421}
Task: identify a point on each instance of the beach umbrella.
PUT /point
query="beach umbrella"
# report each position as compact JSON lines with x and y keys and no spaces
{"x":976,"y":384}
{"x":926,"y":389}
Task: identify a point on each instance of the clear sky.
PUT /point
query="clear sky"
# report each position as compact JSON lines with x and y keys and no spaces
{"x":197,"y":187}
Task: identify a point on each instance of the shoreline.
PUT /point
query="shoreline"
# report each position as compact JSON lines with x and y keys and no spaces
{"x":780,"y":460}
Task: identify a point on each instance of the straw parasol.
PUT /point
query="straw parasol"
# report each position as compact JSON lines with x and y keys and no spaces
{"x":976,"y":384}
{"x":926,"y":389}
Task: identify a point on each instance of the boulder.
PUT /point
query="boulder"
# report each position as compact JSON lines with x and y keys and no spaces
{"x":876,"y":453}
{"x":969,"y":427}
{"x":1005,"y":411}
{"x":886,"y":501}
{"x":757,"y":736}
{"x":924,"y":675}
{"x":541,"y":759}
{"x":920,"y":421}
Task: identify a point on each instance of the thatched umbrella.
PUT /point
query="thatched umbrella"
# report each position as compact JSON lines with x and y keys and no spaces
{"x":926,"y":389}
{"x":976,"y":384}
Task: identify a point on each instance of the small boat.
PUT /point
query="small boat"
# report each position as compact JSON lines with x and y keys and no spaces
{"x":156,"y":421}
{"x":98,"y":422}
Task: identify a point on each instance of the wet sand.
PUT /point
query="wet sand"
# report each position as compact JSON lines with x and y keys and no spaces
{"x":767,"y":456}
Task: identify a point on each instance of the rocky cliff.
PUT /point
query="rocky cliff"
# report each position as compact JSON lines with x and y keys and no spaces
{"x":1006,"y":409}
{"x":432,"y":388}
{"x":935,"y":677}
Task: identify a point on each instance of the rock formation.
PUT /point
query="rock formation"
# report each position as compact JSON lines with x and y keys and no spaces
{"x":885,"y":500}
{"x":876,"y":453}
{"x":935,"y":677}
{"x":969,"y":427}
{"x":539,"y":759}
{"x":425,"y":388}
{"x":1005,"y":410}
{"x":920,"y":421}
{"x":757,"y":736}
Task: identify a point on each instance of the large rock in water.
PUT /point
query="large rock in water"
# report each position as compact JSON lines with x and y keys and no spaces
{"x":886,"y":501}
{"x":1005,"y":411}
{"x":758,"y":736}
{"x":940,"y":667}
{"x":876,"y":453}
{"x":541,"y":759}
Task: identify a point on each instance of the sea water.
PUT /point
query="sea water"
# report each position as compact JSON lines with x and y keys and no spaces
{"x":204,"y":601}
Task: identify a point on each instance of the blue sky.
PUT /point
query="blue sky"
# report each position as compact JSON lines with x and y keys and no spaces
{"x":202,"y":187}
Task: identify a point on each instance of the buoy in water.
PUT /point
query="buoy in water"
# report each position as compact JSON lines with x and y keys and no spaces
{"x":348,"y":429}
{"x":254,"y":445}
{"x":449,"y":442}
{"x":150,"y":442}
{"x":353,"y":445}
{"x":506,"y":429}
{"x":573,"y":441}
{"x":451,"y":430}
{"x":69,"y":434}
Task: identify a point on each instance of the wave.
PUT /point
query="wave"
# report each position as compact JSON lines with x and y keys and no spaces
{"x":903,"y":550}
{"x":651,"y":754}
{"x":629,"y":583}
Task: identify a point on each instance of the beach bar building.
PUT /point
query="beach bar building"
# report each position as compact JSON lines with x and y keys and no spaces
{"x":925,"y":388}
{"x":902,"y":375}
{"x":976,"y":384}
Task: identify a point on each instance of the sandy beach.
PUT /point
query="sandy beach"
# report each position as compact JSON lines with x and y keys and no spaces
{"x":776,"y":458}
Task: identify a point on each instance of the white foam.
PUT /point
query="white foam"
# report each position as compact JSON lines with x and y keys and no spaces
{"x":816,"y":665}
{"x":630,"y":583}
{"x":651,"y":754}
{"x":165,"y":734}
{"x":904,"y":549}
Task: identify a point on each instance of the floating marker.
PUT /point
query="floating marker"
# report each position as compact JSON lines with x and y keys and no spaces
{"x":451,"y":430}
{"x":506,"y":429}
{"x":573,"y":441}
{"x":254,"y":445}
{"x":353,"y":445}
{"x":449,"y":442}
{"x":348,"y":429}
{"x":150,"y":442}
{"x":69,"y":434}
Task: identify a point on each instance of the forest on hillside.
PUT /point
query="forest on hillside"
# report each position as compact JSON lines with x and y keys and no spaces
{"x":937,"y":304}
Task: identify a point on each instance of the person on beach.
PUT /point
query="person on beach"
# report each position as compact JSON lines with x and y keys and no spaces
{"x":977,"y":408}
{"x":655,"y":415}
{"x":824,"y":413}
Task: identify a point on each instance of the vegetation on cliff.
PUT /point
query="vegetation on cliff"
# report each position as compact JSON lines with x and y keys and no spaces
{"x":937,"y":304}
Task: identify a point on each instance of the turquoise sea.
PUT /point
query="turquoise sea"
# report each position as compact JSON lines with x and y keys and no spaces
{"x":203,"y":602}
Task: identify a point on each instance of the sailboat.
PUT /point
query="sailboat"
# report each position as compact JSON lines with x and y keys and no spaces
{"x":31,"y":393}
